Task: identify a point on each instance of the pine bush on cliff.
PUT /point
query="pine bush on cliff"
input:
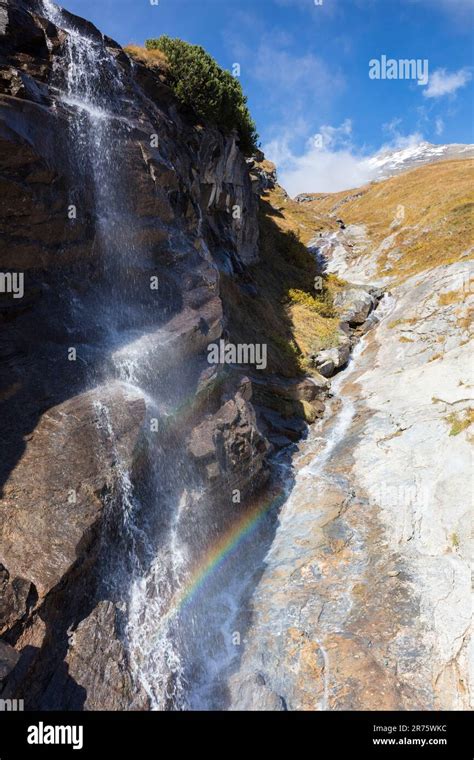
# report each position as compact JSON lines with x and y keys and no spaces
{"x":214,"y":94}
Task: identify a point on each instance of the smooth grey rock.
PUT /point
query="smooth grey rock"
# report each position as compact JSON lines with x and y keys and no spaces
{"x":354,"y":304}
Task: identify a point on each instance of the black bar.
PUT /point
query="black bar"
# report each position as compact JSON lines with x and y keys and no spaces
{"x":374,"y":734}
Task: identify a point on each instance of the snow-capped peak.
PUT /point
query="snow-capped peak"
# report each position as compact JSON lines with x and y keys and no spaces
{"x":387,"y":163}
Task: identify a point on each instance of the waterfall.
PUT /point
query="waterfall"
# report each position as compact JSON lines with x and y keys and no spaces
{"x":178,"y":637}
{"x":149,"y":558}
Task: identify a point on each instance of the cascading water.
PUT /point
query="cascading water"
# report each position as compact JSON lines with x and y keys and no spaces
{"x":149,"y":558}
{"x":179,"y":624}
{"x":346,"y":413}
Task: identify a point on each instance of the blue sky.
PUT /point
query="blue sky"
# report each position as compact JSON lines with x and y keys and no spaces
{"x":305,"y":69}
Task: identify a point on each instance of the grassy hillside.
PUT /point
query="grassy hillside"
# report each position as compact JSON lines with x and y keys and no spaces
{"x":303,"y":219}
{"x":413,"y":222}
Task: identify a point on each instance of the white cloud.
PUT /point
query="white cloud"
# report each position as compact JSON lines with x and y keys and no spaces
{"x":333,"y":137}
{"x":441,"y":82}
{"x":399,"y":141}
{"x":334,"y":167}
{"x":325,"y":171}
{"x":403,"y":141}
{"x":329,"y":168}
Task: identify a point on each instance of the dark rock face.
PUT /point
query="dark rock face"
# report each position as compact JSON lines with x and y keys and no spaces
{"x":16,"y":595}
{"x":60,"y":469}
{"x":52,"y":509}
{"x":228,"y":447}
{"x":263,"y":173}
{"x":56,"y":492}
{"x":8,"y":659}
{"x":97,"y":658}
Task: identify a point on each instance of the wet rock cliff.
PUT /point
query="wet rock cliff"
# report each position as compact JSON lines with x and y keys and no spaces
{"x":118,"y":208}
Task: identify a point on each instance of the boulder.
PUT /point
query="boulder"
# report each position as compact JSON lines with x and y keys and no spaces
{"x":228,"y":447}
{"x":97,"y":663}
{"x":325,"y":366}
{"x":329,"y":361}
{"x":54,"y":499}
{"x":354,"y":304}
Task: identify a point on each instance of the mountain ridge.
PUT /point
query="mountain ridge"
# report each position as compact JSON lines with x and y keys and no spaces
{"x":390,"y":162}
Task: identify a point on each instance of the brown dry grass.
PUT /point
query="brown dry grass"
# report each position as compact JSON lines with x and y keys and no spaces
{"x":302,"y":219}
{"x":454,"y":296}
{"x":153,"y":59}
{"x":438,"y":226}
{"x":291,"y":330}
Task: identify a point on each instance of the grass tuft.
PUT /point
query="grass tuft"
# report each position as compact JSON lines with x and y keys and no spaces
{"x":460,"y":422}
{"x":153,"y":59}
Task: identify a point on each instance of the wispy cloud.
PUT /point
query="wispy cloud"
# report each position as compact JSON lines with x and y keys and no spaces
{"x":291,"y":83}
{"x":296,"y":86}
{"x":397,"y":140}
{"x":296,"y":75}
{"x":401,"y":142}
{"x":439,"y":126}
{"x":442,"y":82}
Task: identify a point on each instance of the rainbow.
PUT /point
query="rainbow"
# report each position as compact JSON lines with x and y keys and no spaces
{"x":218,"y":553}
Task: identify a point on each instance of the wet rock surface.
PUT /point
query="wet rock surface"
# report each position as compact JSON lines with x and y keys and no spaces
{"x":56,"y":494}
{"x":65,"y":448}
{"x":364,"y":600}
{"x":97,"y":661}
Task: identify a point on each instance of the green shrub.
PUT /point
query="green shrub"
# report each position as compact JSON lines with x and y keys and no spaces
{"x":322,"y":304}
{"x":215,"y":95}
